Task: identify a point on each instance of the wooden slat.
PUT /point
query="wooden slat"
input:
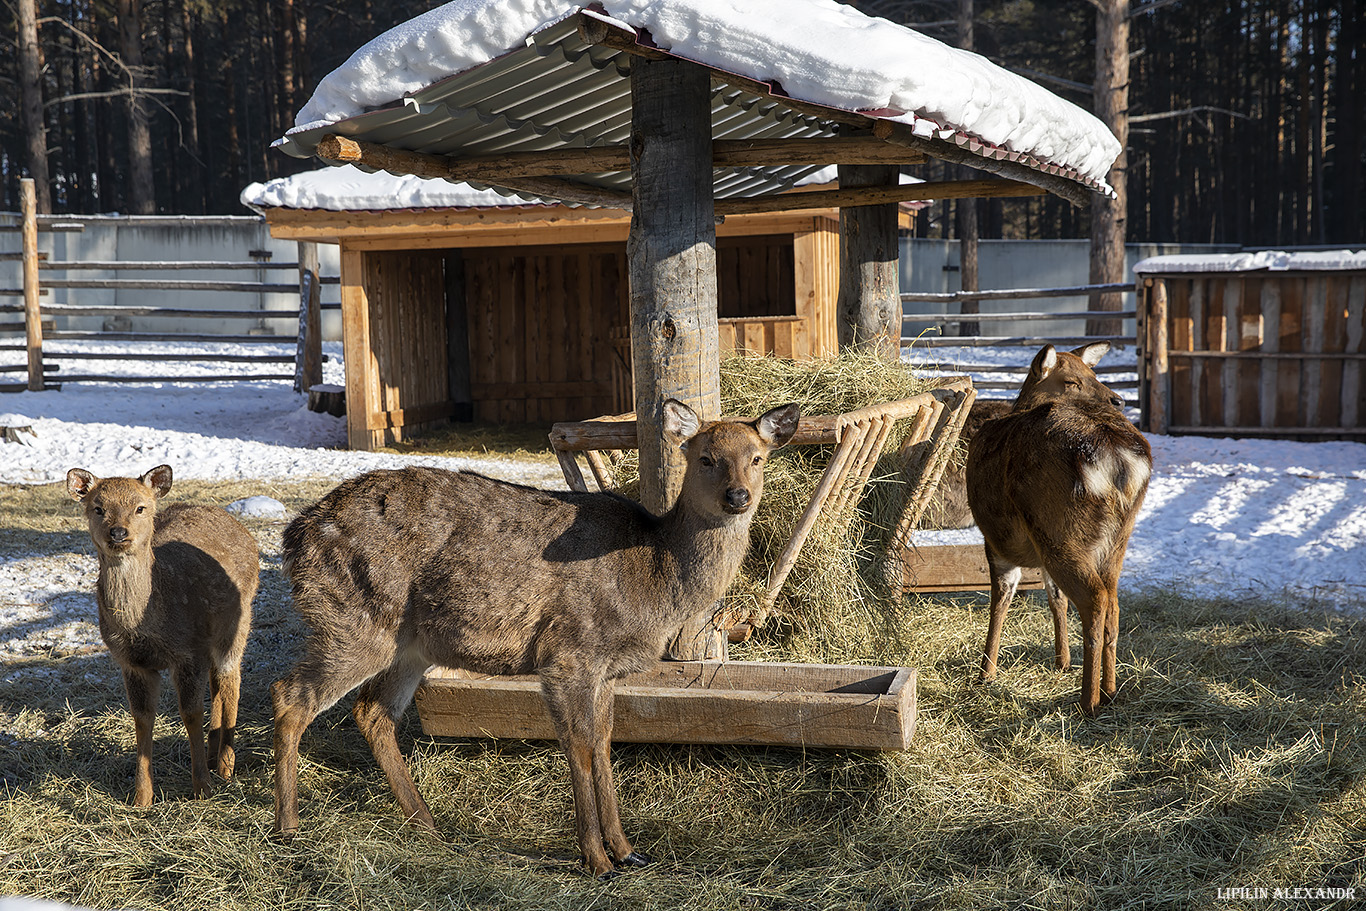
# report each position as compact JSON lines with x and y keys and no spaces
{"x":955,"y":568}
{"x":876,"y":195}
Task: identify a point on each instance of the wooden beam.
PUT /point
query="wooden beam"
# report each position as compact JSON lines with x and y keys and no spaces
{"x":33,"y":321}
{"x":867,"y":149}
{"x":868,"y":311}
{"x":420,"y":164}
{"x":847,"y":197}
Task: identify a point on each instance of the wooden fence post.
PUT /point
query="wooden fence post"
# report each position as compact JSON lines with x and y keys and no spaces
{"x":869,"y":307}
{"x":33,"y":314}
{"x":1160,"y":383}
{"x":308,"y":366}
{"x":671,"y":251}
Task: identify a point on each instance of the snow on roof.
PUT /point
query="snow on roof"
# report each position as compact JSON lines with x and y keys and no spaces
{"x":818,"y":51}
{"x":349,"y":189}
{"x":1269,"y":260}
{"x":346,"y":188}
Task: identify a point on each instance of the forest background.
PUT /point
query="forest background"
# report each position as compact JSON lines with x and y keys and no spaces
{"x":1244,"y":119}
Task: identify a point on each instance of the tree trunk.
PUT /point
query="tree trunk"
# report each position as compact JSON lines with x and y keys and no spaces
{"x":869,"y":307}
{"x":1112,"y":107}
{"x":31,"y":94}
{"x":141,"y":199}
{"x":966,"y":209}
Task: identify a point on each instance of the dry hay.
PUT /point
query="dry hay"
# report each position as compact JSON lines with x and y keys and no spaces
{"x":835,"y":589}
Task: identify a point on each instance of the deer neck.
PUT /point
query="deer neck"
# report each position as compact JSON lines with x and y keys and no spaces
{"x":125,"y":588}
{"x":706,"y":554}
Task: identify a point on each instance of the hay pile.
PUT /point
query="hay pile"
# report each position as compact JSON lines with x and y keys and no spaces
{"x":835,"y":589}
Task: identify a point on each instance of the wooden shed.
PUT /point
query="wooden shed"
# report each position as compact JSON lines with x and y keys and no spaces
{"x":1268,"y":344}
{"x":519,"y":312}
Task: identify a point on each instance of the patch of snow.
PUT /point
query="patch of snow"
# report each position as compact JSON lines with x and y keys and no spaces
{"x":1269,"y":260}
{"x":347,"y":188}
{"x":257,"y":507}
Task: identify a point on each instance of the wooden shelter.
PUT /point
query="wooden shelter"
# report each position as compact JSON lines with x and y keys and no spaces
{"x":1267,"y":344}
{"x":520,"y":312}
{"x":586,"y":108}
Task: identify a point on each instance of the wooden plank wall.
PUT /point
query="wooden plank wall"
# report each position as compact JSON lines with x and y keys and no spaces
{"x":1268,"y":354}
{"x":539,"y":322}
{"x":409,"y":387}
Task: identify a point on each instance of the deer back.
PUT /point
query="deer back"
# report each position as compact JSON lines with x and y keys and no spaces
{"x":1064,"y":470}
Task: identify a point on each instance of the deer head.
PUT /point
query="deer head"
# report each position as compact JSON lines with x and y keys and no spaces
{"x":1063,"y":376}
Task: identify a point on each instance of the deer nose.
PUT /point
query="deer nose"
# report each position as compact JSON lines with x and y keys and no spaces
{"x":737,"y":497}
{"x":118,"y":534}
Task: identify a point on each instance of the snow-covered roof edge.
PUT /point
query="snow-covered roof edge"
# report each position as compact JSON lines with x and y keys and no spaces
{"x":818,"y":51}
{"x":349,"y":189}
{"x":1263,"y":260}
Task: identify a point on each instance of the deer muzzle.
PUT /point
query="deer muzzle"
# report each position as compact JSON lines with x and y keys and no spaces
{"x":737,"y":499}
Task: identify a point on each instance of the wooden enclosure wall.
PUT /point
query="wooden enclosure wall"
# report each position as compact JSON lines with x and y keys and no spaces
{"x":539,"y":321}
{"x":403,"y":304}
{"x":1255,"y":354}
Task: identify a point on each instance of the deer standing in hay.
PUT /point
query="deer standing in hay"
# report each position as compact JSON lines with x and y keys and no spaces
{"x":174,"y":593}
{"x":398,"y":570}
{"x":1057,"y":484}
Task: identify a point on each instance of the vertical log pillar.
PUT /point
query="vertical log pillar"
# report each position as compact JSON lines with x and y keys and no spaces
{"x":672,"y":254}
{"x":33,"y":314}
{"x":308,"y":360}
{"x":869,"y":305}
{"x":1159,"y":381}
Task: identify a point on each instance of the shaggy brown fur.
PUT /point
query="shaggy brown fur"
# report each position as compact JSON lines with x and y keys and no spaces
{"x":1057,"y":484}
{"x":174,"y":593}
{"x":398,"y":570}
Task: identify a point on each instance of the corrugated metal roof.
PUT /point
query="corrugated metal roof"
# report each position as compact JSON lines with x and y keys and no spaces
{"x":561,"y":91}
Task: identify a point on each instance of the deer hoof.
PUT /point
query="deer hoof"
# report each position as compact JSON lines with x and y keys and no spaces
{"x":635,"y":859}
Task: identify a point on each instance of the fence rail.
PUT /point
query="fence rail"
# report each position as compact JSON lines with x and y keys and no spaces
{"x":980,"y":370}
{"x":37,"y":324}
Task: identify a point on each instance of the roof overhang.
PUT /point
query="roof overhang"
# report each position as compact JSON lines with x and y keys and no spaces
{"x":551,"y":119}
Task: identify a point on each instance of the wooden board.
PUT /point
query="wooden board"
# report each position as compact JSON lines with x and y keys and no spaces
{"x":954,"y":568}
{"x":736,"y":702}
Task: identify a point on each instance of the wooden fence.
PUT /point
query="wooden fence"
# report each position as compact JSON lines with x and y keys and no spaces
{"x":1126,"y":363}
{"x":39,"y":320}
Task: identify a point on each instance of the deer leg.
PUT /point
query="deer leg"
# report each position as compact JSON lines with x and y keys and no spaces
{"x":225,"y":688}
{"x":190,"y":680}
{"x":379,"y":704}
{"x":570,"y":695}
{"x":142,"y":688}
{"x":311,"y":688}
{"x":1057,"y":603}
{"x":1108,"y":687}
{"x":604,"y":782}
{"x":1004,"y":580}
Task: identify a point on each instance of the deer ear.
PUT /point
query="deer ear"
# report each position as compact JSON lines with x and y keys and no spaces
{"x":159,"y":479}
{"x":1091,"y":354}
{"x":1044,"y":362}
{"x":777,"y":425}
{"x":79,"y":483}
{"x":681,"y":423}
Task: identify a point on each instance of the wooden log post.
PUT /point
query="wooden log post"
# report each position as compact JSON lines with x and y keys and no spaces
{"x":1159,"y":382}
{"x":308,"y":362}
{"x":671,"y":250}
{"x":869,"y":308}
{"x":33,"y":314}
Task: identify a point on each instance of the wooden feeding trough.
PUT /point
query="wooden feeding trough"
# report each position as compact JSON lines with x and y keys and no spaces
{"x":741,"y":702}
{"x":808,"y":705}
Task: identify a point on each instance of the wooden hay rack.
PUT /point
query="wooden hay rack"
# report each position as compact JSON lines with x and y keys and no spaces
{"x":805,"y":705}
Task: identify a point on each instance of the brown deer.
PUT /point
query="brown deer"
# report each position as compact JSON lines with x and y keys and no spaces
{"x":174,"y":593}
{"x":398,"y":570}
{"x":1057,"y":484}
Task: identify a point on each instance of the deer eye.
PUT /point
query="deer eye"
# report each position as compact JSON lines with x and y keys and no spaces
{"x":758,"y":460}
{"x":99,"y":510}
{"x":706,"y":461}
{"x":141,"y":510}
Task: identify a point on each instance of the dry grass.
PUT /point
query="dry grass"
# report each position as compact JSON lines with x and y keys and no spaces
{"x":1232,"y":758}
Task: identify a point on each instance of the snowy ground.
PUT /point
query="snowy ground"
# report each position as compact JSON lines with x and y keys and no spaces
{"x":1240,"y":518}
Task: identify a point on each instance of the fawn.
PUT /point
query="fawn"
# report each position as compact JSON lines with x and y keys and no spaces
{"x":1057,"y":483}
{"x":174,"y":593}
{"x":398,"y":570}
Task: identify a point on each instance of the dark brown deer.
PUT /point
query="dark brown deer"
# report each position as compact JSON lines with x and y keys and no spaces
{"x":174,"y":593}
{"x":1057,"y":484}
{"x":398,"y":570}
